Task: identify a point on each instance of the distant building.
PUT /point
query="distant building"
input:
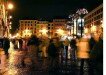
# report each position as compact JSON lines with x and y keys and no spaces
{"x":41,"y":28}
{"x":27,"y":27}
{"x":94,"y":18}
{"x":59,"y":24}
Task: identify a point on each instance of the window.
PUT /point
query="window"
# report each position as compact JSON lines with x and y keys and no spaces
{"x":21,"y":21}
{"x":28,"y":21}
{"x":52,"y":27}
{"x":92,"y":19}
{"x":48,"y":24}
{"x":48,"y":27}
{"x":94,"y":13}
{"x":95,"y":18}
{"x":25,"y":21}
{"x":101,"y":15}
{"x":101,"y":9}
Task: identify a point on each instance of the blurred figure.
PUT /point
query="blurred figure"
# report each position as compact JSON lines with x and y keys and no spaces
{"x":33,"y":49}
{"x":73,"y":49}
{"x":66,"y":43}
{"x":96,"y":54}
{"x":6,"y":46}
{"x":24,"y":46}
{"x":53,"y":52}
{"x":83,"y":52}
{"x":44,"y":46}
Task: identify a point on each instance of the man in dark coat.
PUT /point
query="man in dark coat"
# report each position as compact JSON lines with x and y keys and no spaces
{"x":53,"y":52}
{"x":96,"y":57}
{"x":6,"y":45}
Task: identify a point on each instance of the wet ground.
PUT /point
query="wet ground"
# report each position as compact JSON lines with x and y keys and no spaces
{"x":18,"y":64}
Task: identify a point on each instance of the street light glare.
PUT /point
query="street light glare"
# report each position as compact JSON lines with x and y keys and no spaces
{"x":10,"y":17}
{"x":10,"y":23}
{"x":10,"y":6}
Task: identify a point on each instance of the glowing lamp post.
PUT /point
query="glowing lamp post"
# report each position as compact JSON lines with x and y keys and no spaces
{"x":10,"y":17}
{"x":9,"y":8}
{"x":81,"y":12}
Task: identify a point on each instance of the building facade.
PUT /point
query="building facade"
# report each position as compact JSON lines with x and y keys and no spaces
{"x":32,"y":27}
{"x":27,"y":28}
{"x":42,"y":28}
{"x":3,"y":19}
{"x":59,"y":26}
{"x":94,"y":19}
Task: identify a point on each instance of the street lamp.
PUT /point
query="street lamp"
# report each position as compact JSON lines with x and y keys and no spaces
{"x":81,"y":12}
{"x":10,"y":6}
{"x":9,"y":17}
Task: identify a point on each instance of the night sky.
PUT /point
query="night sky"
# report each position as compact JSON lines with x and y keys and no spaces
{"x":48,"y":9}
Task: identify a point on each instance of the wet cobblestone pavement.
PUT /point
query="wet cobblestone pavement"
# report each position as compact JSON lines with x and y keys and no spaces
{"x":17,"y":66}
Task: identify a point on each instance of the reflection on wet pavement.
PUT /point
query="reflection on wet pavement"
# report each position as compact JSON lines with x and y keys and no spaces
{"x":20,"y":64}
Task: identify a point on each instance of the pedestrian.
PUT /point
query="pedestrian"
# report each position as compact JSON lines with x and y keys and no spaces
{"x":33,"y":50}
{"x":66,"y":43}
{"x":73,"y":49}
{"x":16,"y":44}
{"x":6,"y":46}
{"x":96,"y":55}
{"x":53,"y":52}
{"x":83,"y":52}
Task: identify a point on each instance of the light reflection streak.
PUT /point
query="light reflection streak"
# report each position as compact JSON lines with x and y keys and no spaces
{"x":11,"y":68}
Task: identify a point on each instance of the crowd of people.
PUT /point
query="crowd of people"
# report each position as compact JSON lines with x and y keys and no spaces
{"x":90,"y":49}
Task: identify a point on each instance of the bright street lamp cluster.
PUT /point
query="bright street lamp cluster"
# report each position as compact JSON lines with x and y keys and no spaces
{"x":81,"y":12}
{"x":77,"y":22}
